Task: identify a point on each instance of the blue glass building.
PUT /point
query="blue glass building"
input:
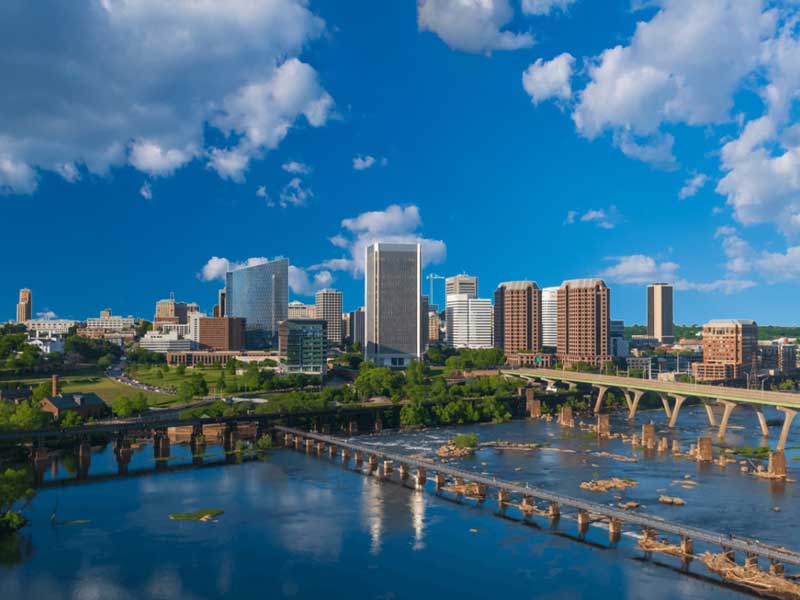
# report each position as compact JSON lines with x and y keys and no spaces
{"x":259,"y":294}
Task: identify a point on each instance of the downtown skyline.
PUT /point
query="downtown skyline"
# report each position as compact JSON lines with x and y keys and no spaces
{"x":499,"y":176}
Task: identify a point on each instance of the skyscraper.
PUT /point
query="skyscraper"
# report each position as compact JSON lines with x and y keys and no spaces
{"x":470,"y":322}
{"x":584,"y":306}
{"x":25,"y":306}
{"x":392,"y":294}
{"x":659,"y":312}
{"x":550,"y":317}
{"x":518,"y":316}
{"x":729,"y":349}
{"x":357,"y":327}
{"x":461,"y":284}
{"x":259,"y":294}
{"x":329,"y":308}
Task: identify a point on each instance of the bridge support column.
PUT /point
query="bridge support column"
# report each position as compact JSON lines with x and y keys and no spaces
{"x":583,"y":522}
{"x":331,"y":451}
{"x":358,"y":457}
{"x":555,"y":511}
{"x":614,"y":531}
{"x":438,"y":481}
{"x":601,"y":395}
{"x":533,"y":406}
{"x":665,"y":403}
{"x":673,"y":417}
{"x":676,"y":447}
{"x":566,"y":419}
{"x":687,"y":550}
{"x":776,"y":568}
{"x":633,"y":402}
{"x":762,"y":421}
{"x":372,"y":463}
{"x":728,"y":409}
{"x":789,"y":415}
{"x":320,"y":446}
{"x":388,"y":467}
{"x":345,"y":456}
{"x":309,"y":445}
{"x":123,"y":453}
{"x":297,"y":442}
{"x":352,"y":428}
{"x":420,"y":477}
{"x":712,"y":420}
{"x":403,"y":470}
{"x":161,"y":448}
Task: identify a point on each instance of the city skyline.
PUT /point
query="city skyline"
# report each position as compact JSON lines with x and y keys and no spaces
{"x":665,"y":201}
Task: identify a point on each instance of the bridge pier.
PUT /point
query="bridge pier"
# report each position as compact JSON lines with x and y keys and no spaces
{"x":705,"y":452}
{"x":555,"y":511}
{"x":603,"y":425}
{"x":601,"y":395}
{"x":583,"y":522}
{"x":789,"y":415}
{"x":762,"y":422}
{"x":388,"y":467}
{"x":84,"y":459}
{"x":649,"y":435}
{"x":728,"y":409}
{"x":502,"y":499}
{"x":777,"y":464}
{"x":665,"y":402}
{"x":358,"y":456}
{"x":438,"y":481}
{"x":123,"y":453}
{"x":352,"y":428}
{"x":566,"y":419}
{"x":614,"y":530}
{"x":372,"y":463}
{"x":420,"y":477}
{"x":331,"y":451}
{"x":230,"y":437}
{"x":378,"y":425}
{"x":776,"y":568}
{"x":633,"y":402}
{"x":673,"y":415}
{"x":161,"y":448}
{"x":403,"y":471}
{"x":345,"y":456}
{"x":687,"y":550}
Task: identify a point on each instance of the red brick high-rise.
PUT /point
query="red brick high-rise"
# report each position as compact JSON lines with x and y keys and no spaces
{"x":584,"y":306}
{"x":518,"y":317}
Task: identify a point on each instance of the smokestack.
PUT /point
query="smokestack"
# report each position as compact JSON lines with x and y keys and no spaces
{"x":55,"y":385}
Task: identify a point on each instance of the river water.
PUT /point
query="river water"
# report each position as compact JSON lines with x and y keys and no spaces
{"x":298,"y":526}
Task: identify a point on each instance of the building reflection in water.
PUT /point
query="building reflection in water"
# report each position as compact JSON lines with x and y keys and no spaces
{"x":417,"y":505}
{"x":372,"y":505}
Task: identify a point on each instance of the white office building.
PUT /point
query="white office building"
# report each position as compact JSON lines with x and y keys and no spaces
{"x":550,"y":316}
{"x":164,"y":342}
{"x":51,"y":326}
{"x":392,"y":300}
{"x":108,"y":322}
{"x":470,"y":322}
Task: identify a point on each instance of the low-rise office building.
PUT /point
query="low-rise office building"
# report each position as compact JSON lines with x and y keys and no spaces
{"x":156,"y":341}
{"x":303,"y":345}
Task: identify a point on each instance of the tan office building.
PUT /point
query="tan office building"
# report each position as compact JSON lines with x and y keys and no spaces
{"x":729,"y":349}
{"x":169,"y":312}
{"x":584,"y":306}
{"x":659,"y":313}
{"x":461,"y":284}
{"x":329,"y":309}
{"x":518,"y":317}
{"x":25,"y":306}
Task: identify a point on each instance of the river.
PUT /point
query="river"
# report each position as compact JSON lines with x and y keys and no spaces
{"x":298,"y":526}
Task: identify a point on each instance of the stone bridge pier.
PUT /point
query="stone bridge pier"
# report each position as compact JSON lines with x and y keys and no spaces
{"x":123,"y":453}
{"x":84,"y":458}
{"x":161,"y":448}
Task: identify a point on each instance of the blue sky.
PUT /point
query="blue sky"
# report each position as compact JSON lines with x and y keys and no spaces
{"x":146,"y":146}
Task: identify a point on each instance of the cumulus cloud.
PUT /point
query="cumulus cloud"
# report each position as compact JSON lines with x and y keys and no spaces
{"x":217,"y":266}
{"x":46,"y":314}
{"x":296,"y":168}
{"x":640,"y":269}
{"x":261,"y":192}
{"x":471,"y":25}
{"x":396,"y":224}
{"x":146,"y":191}
{"x":305,"y":284}
{"x":362,"y":162}
{"x":551,"y":79}
{"x":545,"y":7}
{"x":692,"y":185}
{"x":295,"y":193}
{"x":605,"y":218}
{"x":300,"y":282}
{"x":136,"y":83}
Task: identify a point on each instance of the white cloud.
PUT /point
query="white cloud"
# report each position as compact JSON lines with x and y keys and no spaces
{"x":395,"y":224}
{"x":655,"y":149}
{"x":471,"y":25}
{"x":363,"y":162}
{"x":778,"y":267}
{"x":545,"y":7}
{"x":640,"y":269}
{"x":296,"y":168}
{"x":217,"y":266}
{"x":304,"y":284}
{"x":46,"y":314}
{"x":605,"y":218}
{"x":692,"y":185}
{"x":149,"y":157}
{"x":295,"y":193}
{"x":551,"y":79}
{"x":261,"y":192}
{"x":262,"y":113}
{"x":146,"y":191}
{"x":774,"y":267}
{"x":69,"y":172}
{"x":135,"y":83}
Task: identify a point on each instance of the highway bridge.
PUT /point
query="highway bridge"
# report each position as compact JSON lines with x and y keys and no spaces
{"x":587,"y":511}
{"x":673,"y":395}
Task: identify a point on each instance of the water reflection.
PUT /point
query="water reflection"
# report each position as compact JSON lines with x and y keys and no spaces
{"x":372,"y":511}
{"x":417,"y":505}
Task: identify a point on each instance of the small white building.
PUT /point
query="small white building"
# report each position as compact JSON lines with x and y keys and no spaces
{"x":46,"y":342}
{"x":162,"y":343}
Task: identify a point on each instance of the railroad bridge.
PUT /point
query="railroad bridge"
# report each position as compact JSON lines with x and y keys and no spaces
{"x":673,"y":395}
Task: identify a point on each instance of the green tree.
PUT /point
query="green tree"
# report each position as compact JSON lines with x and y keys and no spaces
{"x":70,"y":419}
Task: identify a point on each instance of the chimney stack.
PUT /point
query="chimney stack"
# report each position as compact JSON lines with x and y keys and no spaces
{"x":55,"y":385}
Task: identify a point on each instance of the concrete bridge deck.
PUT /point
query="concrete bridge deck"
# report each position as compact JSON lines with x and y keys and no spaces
{"x":732,"y":394}
{"x":748,"y":546}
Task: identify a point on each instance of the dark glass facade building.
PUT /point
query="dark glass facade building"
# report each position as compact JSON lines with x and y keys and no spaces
{"x":303,"y":345}
{"x":260,"y":295}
